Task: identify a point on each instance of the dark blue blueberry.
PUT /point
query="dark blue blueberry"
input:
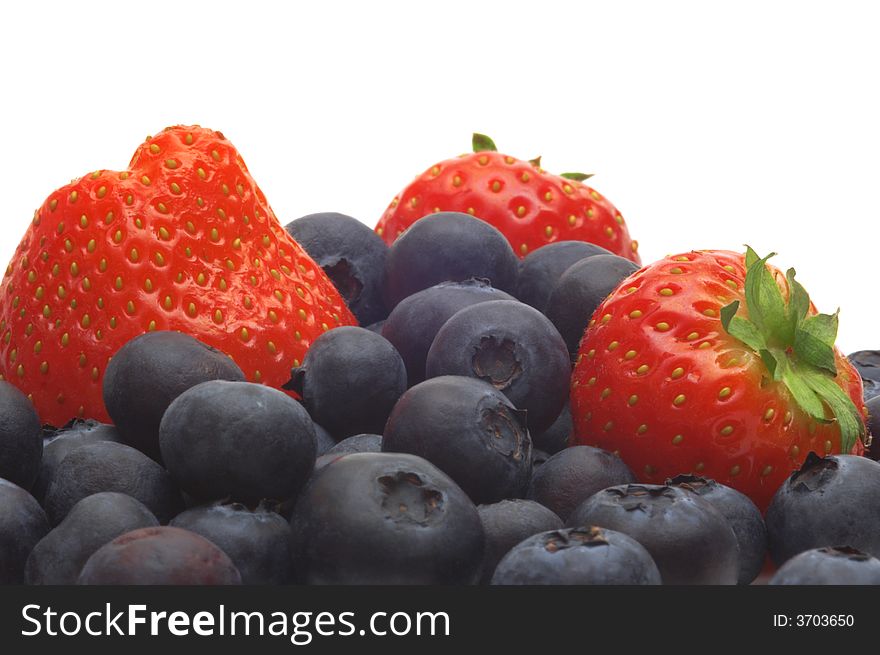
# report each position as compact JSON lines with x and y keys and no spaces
{"x":840,"y":565}
{"x":110,"y":466}
{"x":359,"y":443}
{"x":574,"y":474}
{"x":447,"y":246}
{"x":257,"y":541}
{"x":558,"y":436}
{"x":237,"y":440}
{"x":742,"y":514}
{"x":578,"y":556}
{"x":508,"y":523}
{"x":690,"y":541}
{"x":349,"y":381}
{"x":413,"y":324}
{"x":468,"y":429}
{"x":150,"y":371}
{"x":539,"y":457}
{"x":58,"y":443}
{"x":580,"y":290}
{"x":21,"y":437}
{"x":382,"y":518}
{"x":324,"y":441}
{"x":513,"y":347}
{"x":351,"y":254}
{"x":830,"y":501}
{"x":376,"y":327}
{"x":159,"y":556}
{"x":59,"y":556}
{"x":22,"y":524}
{"x":541,"y":269}
{"x":867,"y":363}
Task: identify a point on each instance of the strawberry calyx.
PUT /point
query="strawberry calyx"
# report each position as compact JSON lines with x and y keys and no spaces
{"x":797,"y":348}
{"x":483,"y":143}
{"x":577,"y":177}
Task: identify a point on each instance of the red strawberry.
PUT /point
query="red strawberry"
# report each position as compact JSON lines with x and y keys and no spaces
{"x":182,"y":240}
{"x":530,"y":206}
{"x":715,"y":364}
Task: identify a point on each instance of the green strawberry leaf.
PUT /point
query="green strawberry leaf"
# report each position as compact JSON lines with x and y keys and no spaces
{"x":765,"y":302}
{"x":482,"y":143}
{"x":771,"y":361}
{"x":798,"y":300}
{"x":751,"y":257}
{"x":578,"y":177}
{"x":814,"y":341}
{"x":822,"y":326}
{"x":845,"y":412}
{"x":814,"y":352}
{"x":536,"y":162}
{"x":742,"y":328}
{"x":728,"y":312}
{"x":797,"y":307}
{"x":802,"y":391}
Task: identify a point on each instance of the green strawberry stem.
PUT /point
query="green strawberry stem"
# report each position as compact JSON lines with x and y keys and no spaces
{"x":797,"y":349}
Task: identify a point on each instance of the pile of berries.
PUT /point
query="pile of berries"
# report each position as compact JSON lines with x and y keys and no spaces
{"x":485,"y":389}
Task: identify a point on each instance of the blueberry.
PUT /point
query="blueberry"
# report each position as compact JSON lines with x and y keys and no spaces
{"x":690,"y":541}
{"x":447,"y":246}
{"x":468,"y":429}
{"x":578,"y":556}
{"x":59,"y":556}
{"x":376,"y":327}
{"x":380,"y":518}
{"x":324,"y":441}
{"x":513,"y":347}
{"x":150,"y":371}
{"x":109,"y":466}
{"x":159,"y":556}
{"x":873,"y":408}
{"x":237,"y":440}
{"x":21,"y":437}
{"x":57,"y":444}
{"x":572,"y":475}
{"x":352,"y":256}
{"x":359,"y":443}
{"x":508,"y":523}
{"x":22,"y":524}
{"x":257,"y":541}
{"x":867,"y":363}
{"x":413,"y":324}
{"x":579,"y":292}
{"x":742,"y":514}
{"x":839,"y":565}
{"x":541,"y":269}
{"x":539,"y":457}
{"x":349,"y":381}
{"x":829,"y":501}
{"x":558,"y":436}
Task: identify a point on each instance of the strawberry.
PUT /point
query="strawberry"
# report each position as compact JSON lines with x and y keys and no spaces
{"x":183,"y":240}
{"x":715,"y":364}
{"x":528,"y":205}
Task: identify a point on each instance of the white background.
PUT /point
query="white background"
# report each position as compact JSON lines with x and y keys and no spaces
{"x":709,"y":125}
